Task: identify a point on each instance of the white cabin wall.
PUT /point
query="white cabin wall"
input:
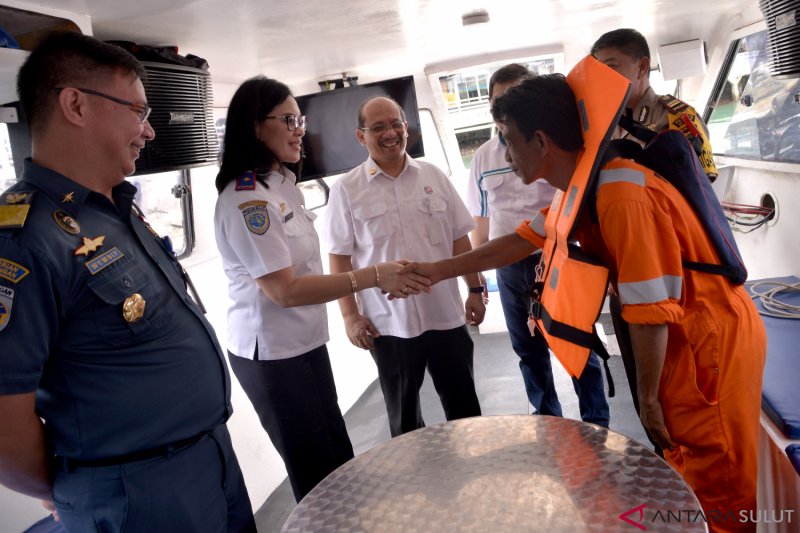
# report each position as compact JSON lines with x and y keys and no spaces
{"x":773,"y":249}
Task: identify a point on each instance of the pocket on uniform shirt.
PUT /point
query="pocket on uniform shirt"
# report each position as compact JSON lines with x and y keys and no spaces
{"x":116,"y":284}
{"x":371,"y":223}
{"x":434,"y":213}
{"x":491,"y":182}
{"x":301,"y":236}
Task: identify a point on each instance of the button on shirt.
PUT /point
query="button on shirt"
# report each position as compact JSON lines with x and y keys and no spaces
{"x":106,"y":386}
{"x":250,"y":251}
{"x":494,"y":191}
{"x":374,"y":217}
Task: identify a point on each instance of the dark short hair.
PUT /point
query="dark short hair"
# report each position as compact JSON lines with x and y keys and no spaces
{"x":68,"y":59}
{"x":360,"y":119}
{"x":544,"y":103}
{"x":629,"y":41}
{"x":508,"y":74}
{"x":241,"y":150}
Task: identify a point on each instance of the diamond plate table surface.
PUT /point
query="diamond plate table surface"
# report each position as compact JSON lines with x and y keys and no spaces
{"x":502,"y":473}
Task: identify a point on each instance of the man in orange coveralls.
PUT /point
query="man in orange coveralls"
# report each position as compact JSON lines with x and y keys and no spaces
{"x":698,"y":341}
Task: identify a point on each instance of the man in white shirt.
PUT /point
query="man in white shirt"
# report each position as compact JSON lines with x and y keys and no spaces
{"x":392,"y":206}
{"x":498,"y":200}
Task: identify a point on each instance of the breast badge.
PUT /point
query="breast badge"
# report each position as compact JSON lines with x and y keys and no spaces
{"x":6,"y":299}
{"x":133,"y":308}
{"x":66,"y":222}
{"x":256,"y":216}
{"x":90,"y":245}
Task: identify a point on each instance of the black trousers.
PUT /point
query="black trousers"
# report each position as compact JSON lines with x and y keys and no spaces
{"x":401,"y":369}
{"x":296,"y":401}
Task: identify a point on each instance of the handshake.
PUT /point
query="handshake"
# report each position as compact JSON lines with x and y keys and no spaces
{"x":403,"y":278}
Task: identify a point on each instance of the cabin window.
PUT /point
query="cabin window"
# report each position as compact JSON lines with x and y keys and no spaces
{"x":165,"y":200}
{"x":754,"y":116}
{"x":434,"y":150}
{"x":466,"y":95}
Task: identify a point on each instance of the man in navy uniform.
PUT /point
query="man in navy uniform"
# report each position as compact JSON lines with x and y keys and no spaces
{"x":113,"y":389}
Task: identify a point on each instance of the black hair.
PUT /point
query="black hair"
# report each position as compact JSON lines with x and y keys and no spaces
{"x":241,"y":150}
{"x":360,"y":119}
{"x":629,"y":41}
{"x":508,"y":74}
{"x":65,"y":59}
{"x":544,"y":103}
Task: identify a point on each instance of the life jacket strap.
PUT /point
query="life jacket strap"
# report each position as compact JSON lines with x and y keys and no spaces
{"x":711,"y":268}
{"x":575,"y":336}
{"x":600,"y":349}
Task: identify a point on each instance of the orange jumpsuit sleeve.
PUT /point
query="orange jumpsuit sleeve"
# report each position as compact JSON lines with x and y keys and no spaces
{"x":645,"y":250}
{"x":533,"y":230}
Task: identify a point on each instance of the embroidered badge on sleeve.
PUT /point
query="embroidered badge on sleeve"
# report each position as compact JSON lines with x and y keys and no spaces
{"x":6,"y":301}
{"x":256,"y":216}
{"x":12,"y":271}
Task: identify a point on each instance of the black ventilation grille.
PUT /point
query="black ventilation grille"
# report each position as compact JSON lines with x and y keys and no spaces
{"x":783,"y":31}
{"x":181,"y":98}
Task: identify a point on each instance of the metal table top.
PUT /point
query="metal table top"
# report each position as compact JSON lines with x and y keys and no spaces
{"x":502,"y":473}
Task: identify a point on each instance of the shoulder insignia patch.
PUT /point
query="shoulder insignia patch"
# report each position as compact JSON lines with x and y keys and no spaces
{"x":256,"y":216}
{"x":12,"y":271}
{"x":246,"y":182}
{"x":13,"y":216}
{"x":14,"y":207}
{"x":6,"y":301}
{"x":673,"y":105}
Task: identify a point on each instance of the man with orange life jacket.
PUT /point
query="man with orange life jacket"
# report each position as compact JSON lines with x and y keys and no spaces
{"x":498,"y":201}
{"x":697,"y":339}
{"x":625,"y":50}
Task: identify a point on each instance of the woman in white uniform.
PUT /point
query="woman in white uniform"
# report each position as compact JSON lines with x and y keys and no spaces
{"x":277,"y":324}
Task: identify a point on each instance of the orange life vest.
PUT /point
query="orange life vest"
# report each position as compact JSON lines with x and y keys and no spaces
{"x":572,"y":286}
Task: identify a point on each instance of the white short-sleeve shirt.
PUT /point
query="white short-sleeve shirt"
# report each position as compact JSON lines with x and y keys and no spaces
{"x":374,"y":217}
{"x":258,"y":232}
{"x":494,"y":191}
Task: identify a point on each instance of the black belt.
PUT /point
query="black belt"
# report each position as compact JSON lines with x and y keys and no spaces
{"x":162,"y":451}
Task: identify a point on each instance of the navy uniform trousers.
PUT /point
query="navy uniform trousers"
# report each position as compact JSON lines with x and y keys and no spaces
{"x":195,"y":489}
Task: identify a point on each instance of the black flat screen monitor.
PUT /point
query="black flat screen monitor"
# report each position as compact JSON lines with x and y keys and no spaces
{"x":330,"y":142}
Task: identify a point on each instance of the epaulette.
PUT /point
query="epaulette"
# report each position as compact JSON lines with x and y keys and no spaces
{"x":674,"y":105}
{"x":246,"y":182}
{"x":14,"y":208}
